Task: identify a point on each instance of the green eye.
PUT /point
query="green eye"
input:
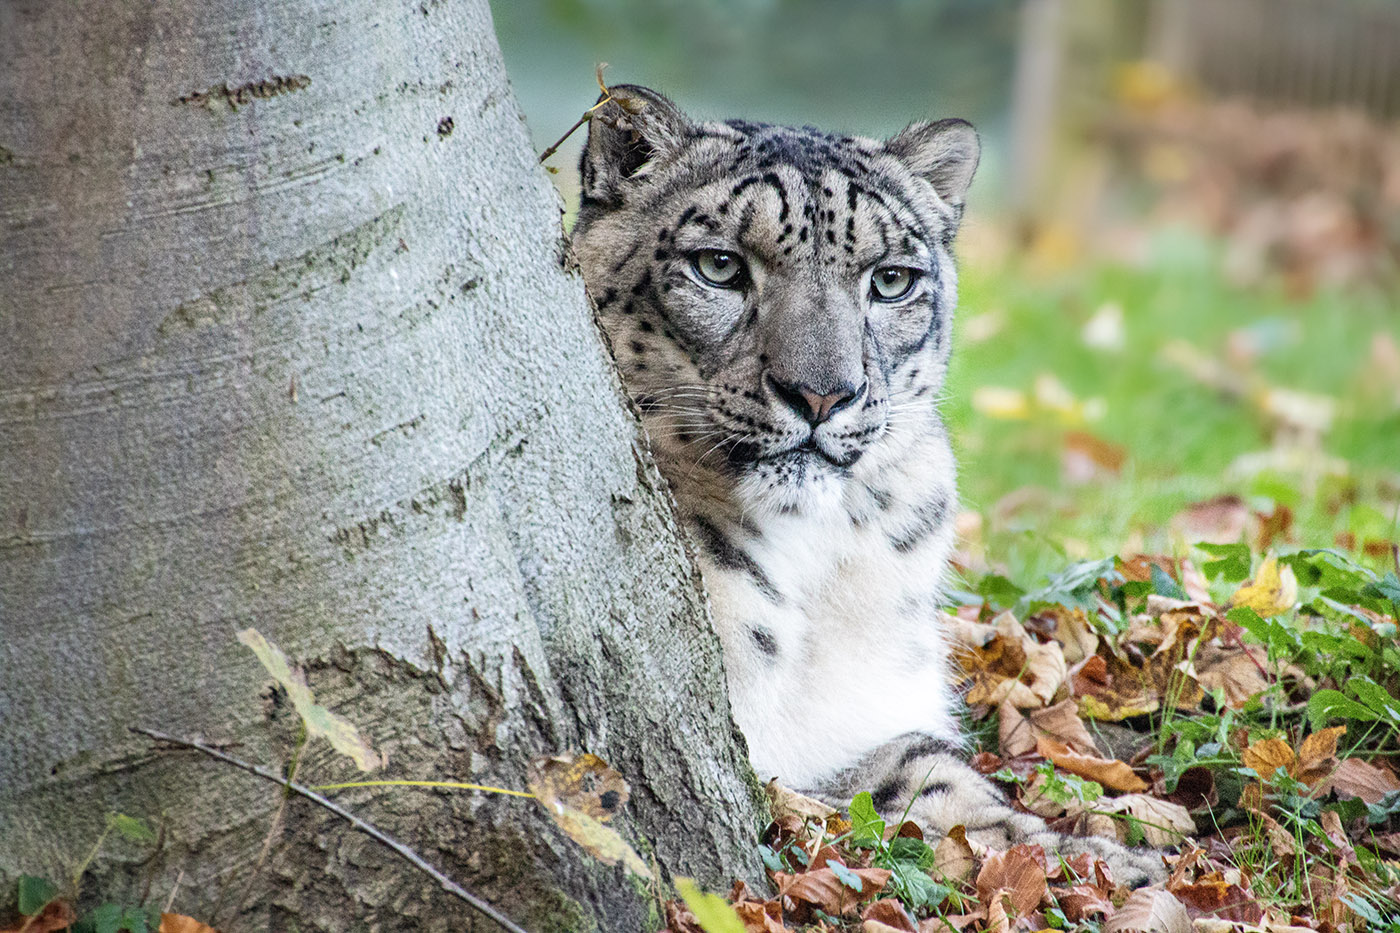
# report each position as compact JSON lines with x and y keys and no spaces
{"x":891,"y":283}
{"x":718,"y":267}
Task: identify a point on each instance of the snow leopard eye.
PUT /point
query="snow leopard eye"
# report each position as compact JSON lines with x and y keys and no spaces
{"x":718,"y":267}
{"x":891,"y":283}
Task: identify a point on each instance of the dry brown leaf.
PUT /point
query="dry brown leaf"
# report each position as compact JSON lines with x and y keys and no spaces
{"x":1015,"y":874}
{"x":953,"y":857}
{"x":56,"y":915}
{"x":1215,"y":896}
{"x":1355,"y":778}
{"x":1317,"y":756}
{"x":1014,"y":733}
{"x":179,"y":923}
{"x":1013,"y":667}
{"x":1112,"y":774}
{"x":1062,"y":723}
{"x":1083,"y":901}
{"x":1267,"y":756}
{"x":956,"y":922}
{"x":821,"y":888}
{"x":1163,"y":823}
{"x":761,"y":916}
{"x":583,"y":782}
{"x":997,"y":919}
{"x":1112,"y":688}
{"x":887,"y":914}
{"x":1070,"y":627}
{"x":579,"y":792}
{"x":1149,"y":910}
{"x":1236,"y":671}
{"x":1280,"y":839}
{"x":784,"y":802}
{"x":1221,"y":520}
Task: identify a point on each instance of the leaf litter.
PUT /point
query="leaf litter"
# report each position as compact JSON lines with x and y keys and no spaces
{"x":1251,"y":735}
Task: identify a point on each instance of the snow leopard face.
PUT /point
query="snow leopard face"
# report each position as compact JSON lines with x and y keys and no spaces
{"x":778,"y":299}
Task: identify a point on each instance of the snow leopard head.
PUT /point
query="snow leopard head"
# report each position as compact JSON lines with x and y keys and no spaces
{"x":778,"y":299}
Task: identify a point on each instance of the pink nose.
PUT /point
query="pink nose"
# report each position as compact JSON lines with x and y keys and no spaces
{"x":814,"y":406}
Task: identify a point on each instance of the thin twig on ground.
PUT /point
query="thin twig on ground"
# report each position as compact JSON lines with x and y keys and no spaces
{"x":448,"y":885}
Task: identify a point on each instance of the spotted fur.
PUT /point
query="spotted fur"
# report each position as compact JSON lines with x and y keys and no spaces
{"x":794,"y":410}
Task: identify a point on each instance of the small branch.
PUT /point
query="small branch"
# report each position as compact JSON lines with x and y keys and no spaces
{"x":567,"y":133}
{"x":448,"y":885}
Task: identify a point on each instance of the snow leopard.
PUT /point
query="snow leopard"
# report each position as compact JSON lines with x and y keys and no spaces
{"x":779,"y":303}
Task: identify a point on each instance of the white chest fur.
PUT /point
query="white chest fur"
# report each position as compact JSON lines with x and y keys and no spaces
{"x":842,"y":652}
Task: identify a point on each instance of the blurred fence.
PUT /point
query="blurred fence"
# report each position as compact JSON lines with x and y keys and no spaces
{"x":1311,"y":53}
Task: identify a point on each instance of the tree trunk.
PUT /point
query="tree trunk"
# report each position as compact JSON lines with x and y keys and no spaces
{"x":289,"y":339}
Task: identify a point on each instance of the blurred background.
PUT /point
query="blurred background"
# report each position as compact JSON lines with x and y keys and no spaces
{"x":1180,"y":313}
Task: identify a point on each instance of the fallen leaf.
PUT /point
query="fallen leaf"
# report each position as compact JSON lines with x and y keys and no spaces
{"x":1213,"y":896}
{"x":1083,"y":901}
{"x":1163,"y":823}
{"x":1015,"y":874}
{"x":1280,"y":839}
{"x":1149,"y":911}
{"x":1112,"y":774}
{"x":1221,"y":520}
{"x":1061,"y":722}
{"x":822,"y":888}
{"x":1267,"y":756}
{"x":1236,"y":671}
{"x":1070,"y":627}
{"x":55,"y":915}
{"x":1317,"y":756}
{"x":1355,"y":778}
{"x":583,"y":782}
{"x":579,"y":792}
{"x":179,"y":923}
{"x":953,"y":857}
{"x":1273,"y":591}
{"x":1013,"y":667}
{"x":340,"y":732}
{"x":783,"y":802}
{"x":887,"y":914}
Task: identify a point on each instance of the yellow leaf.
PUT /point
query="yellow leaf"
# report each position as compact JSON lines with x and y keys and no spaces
{"x":1273,"y":591}
{"x":712,"y":912}
{"x":1268,"y":756}
{"x":1001,"y":403}
{"x":340,"y":732}
{"x":579,"y":792}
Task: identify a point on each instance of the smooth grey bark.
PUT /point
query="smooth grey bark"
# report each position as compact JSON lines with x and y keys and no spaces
{"x":289,"y":339}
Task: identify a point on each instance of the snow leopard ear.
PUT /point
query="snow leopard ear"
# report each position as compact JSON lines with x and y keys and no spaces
{"x":945,"y":152}
{"x":632,"y":129}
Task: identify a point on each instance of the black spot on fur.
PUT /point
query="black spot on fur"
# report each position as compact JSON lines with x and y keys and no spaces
{"x":732,"y":557}
{"x":763,"y":638}
{"x":927,"y":519}
{"x":886,"y":794}
{"x":935,"y":788}
{"x":926,"y":747}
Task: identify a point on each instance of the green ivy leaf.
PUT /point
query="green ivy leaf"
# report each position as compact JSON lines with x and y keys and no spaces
{"x":867,"y":829}
{"x":1233,"y":563}
{"x":1164,"y":585}
{"x":1329,"y":704}
{"x":847,"y":877}
{"x":34,"y":893}
{"x":129,"y":827}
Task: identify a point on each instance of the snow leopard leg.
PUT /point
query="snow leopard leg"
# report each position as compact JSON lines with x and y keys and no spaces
{"x":929,"y":778}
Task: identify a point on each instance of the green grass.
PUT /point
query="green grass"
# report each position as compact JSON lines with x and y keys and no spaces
{"x":1180,"y":436}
